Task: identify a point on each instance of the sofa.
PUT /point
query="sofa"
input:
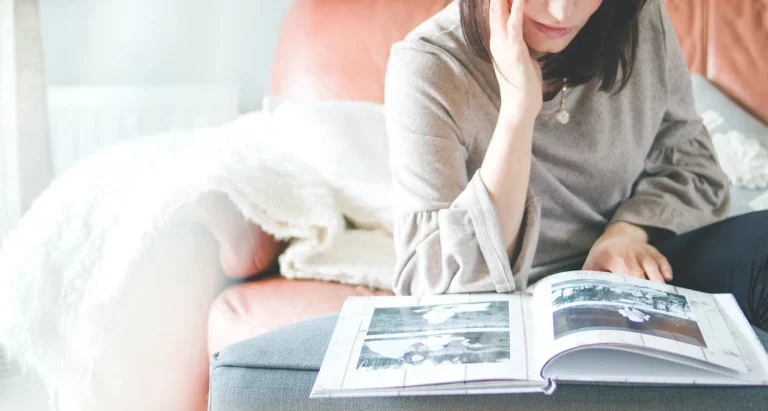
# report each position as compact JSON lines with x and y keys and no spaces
{"x":723,"y":41}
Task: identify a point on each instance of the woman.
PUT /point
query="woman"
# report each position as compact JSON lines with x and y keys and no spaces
{"x":535,"y":136}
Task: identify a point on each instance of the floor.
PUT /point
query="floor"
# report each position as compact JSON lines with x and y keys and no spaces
{"x":18,"y":392}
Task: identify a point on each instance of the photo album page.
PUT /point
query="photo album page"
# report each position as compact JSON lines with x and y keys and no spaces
{"x":447,"y":342}
{"x":579,"y":309}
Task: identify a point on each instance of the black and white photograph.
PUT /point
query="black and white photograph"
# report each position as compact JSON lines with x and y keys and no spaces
{"x":586,"y":305}
{"x":400,"y":320}
{"x":386,"y":353}
{"x":636,"y":296}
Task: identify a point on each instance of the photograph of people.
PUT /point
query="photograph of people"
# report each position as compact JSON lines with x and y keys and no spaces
{"x":398,"y":320}
{"x":456,"y":348}
{"x":598,"y":305}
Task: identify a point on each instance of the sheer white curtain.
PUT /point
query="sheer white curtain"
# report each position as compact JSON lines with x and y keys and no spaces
{"x":25,"y":155}
{"x":25,"y":161}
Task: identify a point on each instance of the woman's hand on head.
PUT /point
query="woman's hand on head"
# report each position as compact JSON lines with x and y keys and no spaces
{"x":624,"y":249}
{"x":519,"y":74}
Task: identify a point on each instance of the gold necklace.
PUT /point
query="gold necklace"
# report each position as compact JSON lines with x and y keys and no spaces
{"x":561,"y":114}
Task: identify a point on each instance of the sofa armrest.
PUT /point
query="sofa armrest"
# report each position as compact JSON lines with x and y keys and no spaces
{"x":155,"y":350}
{"x":244,"y":249}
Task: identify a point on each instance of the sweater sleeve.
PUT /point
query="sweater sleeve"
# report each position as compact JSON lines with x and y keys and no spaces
{"x":447,"y":233}
{"x":683,"y":186}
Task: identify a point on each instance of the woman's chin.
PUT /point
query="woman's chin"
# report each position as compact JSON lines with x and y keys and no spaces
{"x":546,"y":47}
{"x":537,"y":52}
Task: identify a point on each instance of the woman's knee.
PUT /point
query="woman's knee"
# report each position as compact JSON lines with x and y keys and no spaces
{"x":757,"y":219}
{"x":745,"y":242}
{"x":746,"y":231}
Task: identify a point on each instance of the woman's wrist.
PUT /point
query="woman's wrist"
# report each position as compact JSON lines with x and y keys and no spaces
{"x":515,"y":123}
{"x":626,"y":230}
{"x":514,"y":118}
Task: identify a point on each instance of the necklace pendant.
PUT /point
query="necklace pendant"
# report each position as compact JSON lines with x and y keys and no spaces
{"x":563,"y":117}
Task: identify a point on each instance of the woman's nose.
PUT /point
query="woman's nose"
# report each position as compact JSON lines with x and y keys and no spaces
{"x":561,"y":9}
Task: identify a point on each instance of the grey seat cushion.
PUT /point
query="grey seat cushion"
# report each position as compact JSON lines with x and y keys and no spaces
{"x":276,"y":371}
{"x":708,"y":98}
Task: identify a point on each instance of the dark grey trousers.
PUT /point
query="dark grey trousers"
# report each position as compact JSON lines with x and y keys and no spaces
{"x":276,"y":371}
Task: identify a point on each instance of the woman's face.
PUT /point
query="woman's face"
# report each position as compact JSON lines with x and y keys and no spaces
{"x":550,"y":25}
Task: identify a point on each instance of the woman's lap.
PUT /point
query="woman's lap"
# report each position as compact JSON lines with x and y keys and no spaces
{"x":726,"y":257}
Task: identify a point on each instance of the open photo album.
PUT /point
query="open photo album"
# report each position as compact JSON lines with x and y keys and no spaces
{"x":571,"y":327}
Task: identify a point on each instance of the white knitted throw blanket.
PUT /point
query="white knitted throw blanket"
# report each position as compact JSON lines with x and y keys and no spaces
{"x":64,"y":268}
{"x":743,"y":159}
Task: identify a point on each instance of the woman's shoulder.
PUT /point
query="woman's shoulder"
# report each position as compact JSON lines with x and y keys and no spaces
{"x":443,"y":30}
{"x":653,"y":29}
{"x":437,"y":46}
{"x":659,"y":54}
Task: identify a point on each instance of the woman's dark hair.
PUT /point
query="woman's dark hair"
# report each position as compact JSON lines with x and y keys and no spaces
{"x":604,"y":49}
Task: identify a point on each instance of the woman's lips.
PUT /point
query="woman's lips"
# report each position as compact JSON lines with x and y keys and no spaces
{"x":552,"y":31}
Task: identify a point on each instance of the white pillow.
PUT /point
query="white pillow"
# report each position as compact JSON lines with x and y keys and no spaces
{"x":346,"y":141}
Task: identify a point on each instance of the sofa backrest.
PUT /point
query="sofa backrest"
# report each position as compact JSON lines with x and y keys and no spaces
{"x":726,"y":41}
{"x":338,"y":49}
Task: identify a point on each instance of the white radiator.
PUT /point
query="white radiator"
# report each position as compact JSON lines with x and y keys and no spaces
{"x":86,"y":119}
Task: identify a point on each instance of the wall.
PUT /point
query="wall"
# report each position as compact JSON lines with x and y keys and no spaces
{"x":163,"y":42}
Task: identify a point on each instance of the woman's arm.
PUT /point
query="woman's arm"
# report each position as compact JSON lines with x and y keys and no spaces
{"x":506,"y":167}
{"x":455,"y":232}
{"x":447,"y":231}
{"x":506,"y":172}
{"x":682,"y":187}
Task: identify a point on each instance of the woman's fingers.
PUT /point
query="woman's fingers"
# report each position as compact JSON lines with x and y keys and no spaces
{"x":640,"y":261}
{"x":498,"y":16}
{"x":617,"y":265}
{"x":537,"y":70}
{"x":515,"y":17}
{"x":589,"y":265}
{"x":635,"y":270}
{"x":664,"y":266}
{"x":651,"y":267}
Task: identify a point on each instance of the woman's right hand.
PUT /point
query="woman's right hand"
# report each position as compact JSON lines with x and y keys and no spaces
{"x":519,"y":74}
